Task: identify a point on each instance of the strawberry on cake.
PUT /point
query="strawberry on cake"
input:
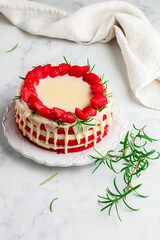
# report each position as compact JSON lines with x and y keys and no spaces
{"x":64,"y":108}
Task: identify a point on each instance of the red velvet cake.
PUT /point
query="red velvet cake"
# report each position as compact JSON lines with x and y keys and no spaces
{"x":64,"y":108}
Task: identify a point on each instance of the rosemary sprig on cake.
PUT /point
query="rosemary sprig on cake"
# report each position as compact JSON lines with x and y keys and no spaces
{"x":20,"y":77}
{"x":17,"y":97}
{"x":88,"y":64}
{"x":134,"y":159}
{"x":80,"y":123}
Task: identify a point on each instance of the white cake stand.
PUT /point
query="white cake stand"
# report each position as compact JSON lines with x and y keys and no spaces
{"x":42,"y":156}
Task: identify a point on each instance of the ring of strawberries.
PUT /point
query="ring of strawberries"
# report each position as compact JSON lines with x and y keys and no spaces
{"x":29,"y":94}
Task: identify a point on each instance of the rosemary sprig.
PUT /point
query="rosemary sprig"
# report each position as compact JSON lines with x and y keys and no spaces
{"x":112,"y":199}
{"x":51,"y":208}
{"x":134,"y":159}
{"x":103,"y":107}
{"x":88,"y":64}
{"x":17,"y":97}
{"x":12,"y":49}
{"x":102,"y":78}
{"x":80,"y":123}
{"x":65,"y":59}
{"x":48,"y":179}
{"x":21,"y":77}
{"x":60,"y":124}
{"x":33,"y":113}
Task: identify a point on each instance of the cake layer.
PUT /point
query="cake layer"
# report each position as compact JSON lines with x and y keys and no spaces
{"x":59,"y":150}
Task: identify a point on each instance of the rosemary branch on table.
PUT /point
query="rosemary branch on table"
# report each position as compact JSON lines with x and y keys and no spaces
{"x":134,"y":159}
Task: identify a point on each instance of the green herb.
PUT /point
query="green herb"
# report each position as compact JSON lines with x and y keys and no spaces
{"x":21,"y":77}
{"x":88,"y":64}
{"x":112,"y":199}
{"x":51,"y":209}
{"x":11,"y":50}
{"x":17,"y":97}
{"x":33,"y":113}
{"x":103,"y":107}
{"x":102,"y":78}
{"x":80,"y":123}
{"x":65,"y":59}
{"x":60,"y":124}
{"x":48,"y":179}
{"x":134,"y":159}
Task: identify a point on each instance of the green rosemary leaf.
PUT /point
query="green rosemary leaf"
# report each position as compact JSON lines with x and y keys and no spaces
{"x":106,"y":206}
{"x":92,"y":68}
{"x":115,"y":185}
{"x":60,"y":124}
{"x":133,"y":209}
{"x":12,"y":49}
{"x":140,"y":195}
{"x":33,"y":113}
{"x":88,"y":64}
{"x":48,"y":179}
{"x":65,"y":59}
{"x":102,"y":78}
{"x":109,"y":211}
{"x":51,"y":208}
{"x":96,"y":167}
{"x":21,"y":77}
{"x":17,"y":97}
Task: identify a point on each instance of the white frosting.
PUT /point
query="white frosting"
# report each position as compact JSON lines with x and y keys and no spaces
{"x":64,"y":92}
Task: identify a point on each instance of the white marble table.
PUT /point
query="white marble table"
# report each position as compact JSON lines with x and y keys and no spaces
{"x":24,"y":204}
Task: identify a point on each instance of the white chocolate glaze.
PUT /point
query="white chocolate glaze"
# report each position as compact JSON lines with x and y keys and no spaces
{"x":64,"y":92}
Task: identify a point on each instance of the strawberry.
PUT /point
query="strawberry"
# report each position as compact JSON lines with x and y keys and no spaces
{"x":91,"y":78}
{"x":34,"y":75}
{"x":58,"y":112}
{"x":67,"y":117}
{"x":97,"y":88}
{"x":89,"y":111}
{"x":80,"y":114}
{"x":27,"y":91}
{"x":29,"y":77}
{"x":46,"y":70}
{"x":37,"y":72}
{"x":78,"y":71}
{"x":45,"y":112}
{"x":54,"y":71}
{"x":32,"y":100}
{"x":98,"y":100}
{"x":83,"y":70}
{"x":63,"y":68}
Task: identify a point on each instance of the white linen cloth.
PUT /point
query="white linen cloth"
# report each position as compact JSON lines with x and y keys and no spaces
{"x":138,"y":40}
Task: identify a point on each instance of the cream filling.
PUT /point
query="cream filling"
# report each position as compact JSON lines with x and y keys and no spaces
{"x":52,"y":127}
{"x":64,"y":92}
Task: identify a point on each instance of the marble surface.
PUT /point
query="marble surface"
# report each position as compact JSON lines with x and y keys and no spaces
{"x":24,"y":204}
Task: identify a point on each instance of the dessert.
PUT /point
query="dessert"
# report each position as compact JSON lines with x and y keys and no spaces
{"x":64,"y":108}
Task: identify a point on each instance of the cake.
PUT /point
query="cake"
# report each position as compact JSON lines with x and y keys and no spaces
{"x":64,"y":108}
